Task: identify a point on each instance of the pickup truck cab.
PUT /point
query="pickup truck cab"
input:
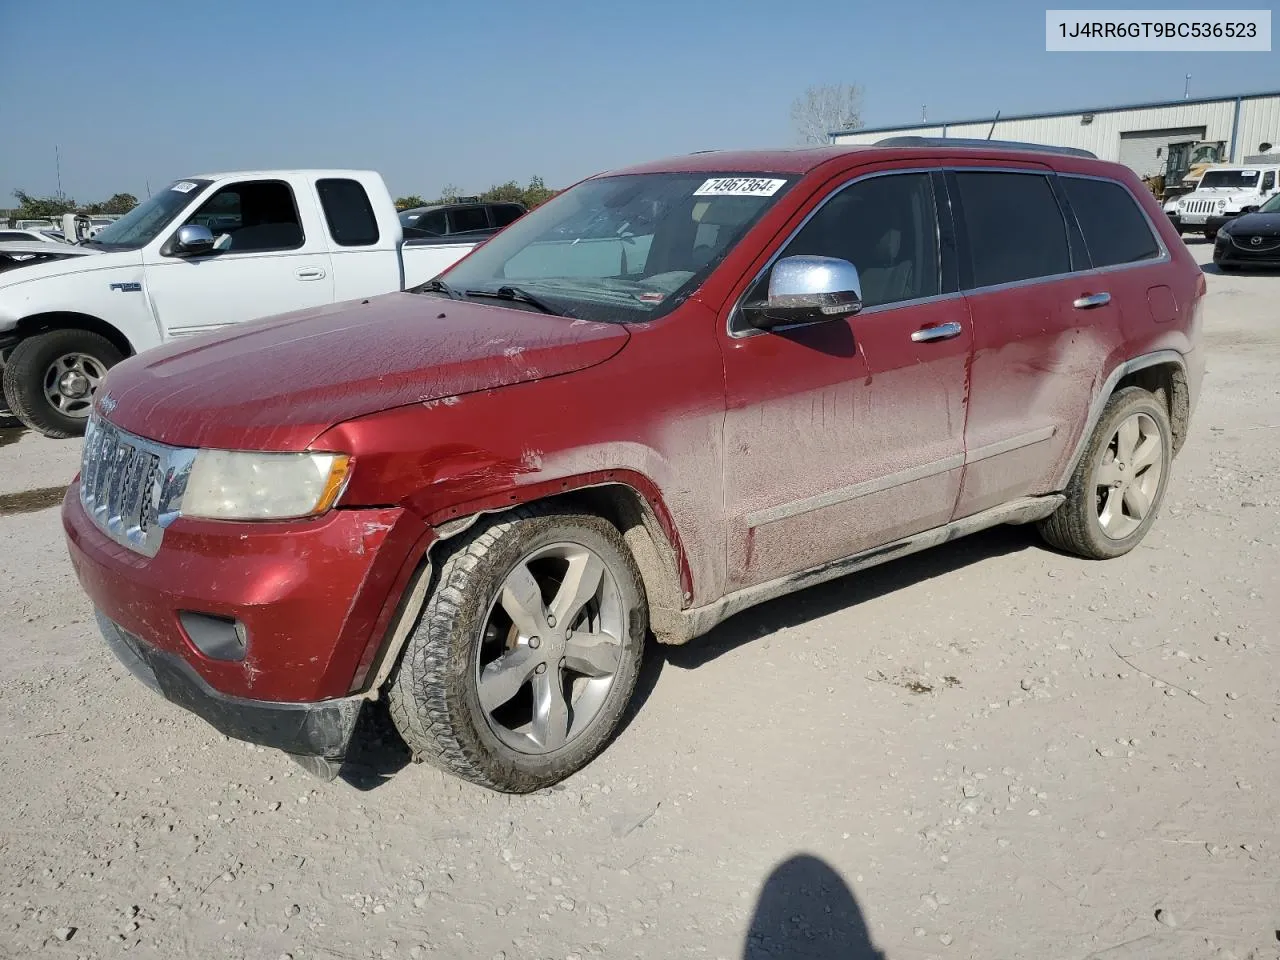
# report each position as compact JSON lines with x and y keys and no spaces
{"x":668,"y":394}
{"x":203,"y":253}
{"x":1224,"y":193}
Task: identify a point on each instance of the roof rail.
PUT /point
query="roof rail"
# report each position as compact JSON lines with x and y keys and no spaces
{"x":982,"y":144}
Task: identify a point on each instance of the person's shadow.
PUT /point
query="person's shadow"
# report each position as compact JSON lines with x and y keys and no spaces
{"x":806,"y":910}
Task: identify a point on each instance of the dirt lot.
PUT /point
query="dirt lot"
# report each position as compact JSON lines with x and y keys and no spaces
{"x":990,"y":750}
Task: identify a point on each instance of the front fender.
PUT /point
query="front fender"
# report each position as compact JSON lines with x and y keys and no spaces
{"x":114,"y":294}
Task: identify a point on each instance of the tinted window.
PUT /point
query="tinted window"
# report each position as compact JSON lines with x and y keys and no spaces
{"x":1014,"y":227}
{"x":258,"y":215}
{"x":1115,"y":231}
{"x":505,"y":213}
{"x":466,"y":219}
{"x":887,"y":227}
{"x":348,"y":212}
{"x":17,"y":237}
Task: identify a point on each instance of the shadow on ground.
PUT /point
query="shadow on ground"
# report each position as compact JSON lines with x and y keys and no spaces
{"x":805,"y":910}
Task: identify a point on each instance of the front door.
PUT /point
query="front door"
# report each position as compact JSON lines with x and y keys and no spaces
{"x":846,"y":435}
{"x":275,"y":261}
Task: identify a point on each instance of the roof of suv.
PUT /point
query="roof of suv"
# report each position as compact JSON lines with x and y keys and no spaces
{"x":802,"y":160}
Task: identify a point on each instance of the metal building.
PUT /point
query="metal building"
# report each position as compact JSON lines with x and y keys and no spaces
{"x":1137,"y":135}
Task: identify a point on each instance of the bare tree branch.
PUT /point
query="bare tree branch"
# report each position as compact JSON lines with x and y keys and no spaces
{"x":823,"y":110}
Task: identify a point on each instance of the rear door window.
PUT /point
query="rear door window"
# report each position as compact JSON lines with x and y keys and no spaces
{"x":348,"y":212}
{"x":467,"y":219}
{"x":1013,"y":227}
{"x":1268,"y":181}
{"x":1115,"y":231}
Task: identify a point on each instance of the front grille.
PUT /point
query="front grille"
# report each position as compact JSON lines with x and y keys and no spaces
{"x":127,"y":485}
{"x":1200,"y":206}
{"x":1263,"y":244}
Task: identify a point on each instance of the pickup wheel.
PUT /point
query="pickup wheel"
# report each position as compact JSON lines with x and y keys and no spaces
{"x":526,"y":653}
{"x":50,"y":379}
{"x":1118,"y":485}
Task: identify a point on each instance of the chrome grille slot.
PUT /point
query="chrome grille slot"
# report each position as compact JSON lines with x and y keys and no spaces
{"x":1200,"y":206}
{"x":128,"y":486}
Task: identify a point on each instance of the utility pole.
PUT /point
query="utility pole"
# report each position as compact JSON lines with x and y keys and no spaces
{"x":1186,"y":91}
{"x":924,"y":113}
{"x":57,"y":163}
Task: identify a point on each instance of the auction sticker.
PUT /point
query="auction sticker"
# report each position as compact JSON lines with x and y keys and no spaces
{"x":183,"y":186}
{"x":739,"y":187}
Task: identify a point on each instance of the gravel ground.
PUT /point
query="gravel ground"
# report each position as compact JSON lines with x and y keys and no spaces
{"x":987,"y":750}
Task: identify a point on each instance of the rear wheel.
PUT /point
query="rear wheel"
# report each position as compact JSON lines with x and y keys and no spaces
{"x":1117,"y":488}
{"x":526,"y":653}
{"x":50,"y":379}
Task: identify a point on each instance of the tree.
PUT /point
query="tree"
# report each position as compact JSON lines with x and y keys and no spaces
{"x":537,"y":193}
{"x":409,"y":202}
{"x":41,"y":208}
{"x":449,"y":193}
{"x":119,"y":203}
{"x":823,"y":110}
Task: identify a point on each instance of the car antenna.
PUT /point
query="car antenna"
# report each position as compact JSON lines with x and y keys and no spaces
{"x":993,"y":125}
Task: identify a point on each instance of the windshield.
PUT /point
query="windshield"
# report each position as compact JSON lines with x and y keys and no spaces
{"x":620,"y":249}
{"x":1272,"y":205}
{"x":144,"y":222}
{"x":1232,"y":179}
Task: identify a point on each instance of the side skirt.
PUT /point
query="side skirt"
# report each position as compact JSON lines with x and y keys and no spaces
{"x":699,"y":620}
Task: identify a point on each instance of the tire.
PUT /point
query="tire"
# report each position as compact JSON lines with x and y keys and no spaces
{"x":1211,"y":235}
{"x":1227,"y":267}
{"x":1078,"y":526}
{"x":464,"y":630}
{"x":32,"y":363}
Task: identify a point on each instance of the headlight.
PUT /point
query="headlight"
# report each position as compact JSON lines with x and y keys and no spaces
{"x":228,"y":485}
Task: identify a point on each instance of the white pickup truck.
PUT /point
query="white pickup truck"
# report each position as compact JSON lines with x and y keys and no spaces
{"x":202,"y":253}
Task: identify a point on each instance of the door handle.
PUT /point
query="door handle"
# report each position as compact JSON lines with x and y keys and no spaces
{"x":1089,"y":301}
{"x":943,"y":331}
{"x":309,"y":273}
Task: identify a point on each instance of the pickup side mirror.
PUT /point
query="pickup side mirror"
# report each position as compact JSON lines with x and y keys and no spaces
{"x":807,"y":290}
{"x":192,"y":240}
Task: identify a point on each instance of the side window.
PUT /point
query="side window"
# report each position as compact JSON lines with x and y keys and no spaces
{"x":259,"y":215}
{"x":885,"y":226}
{"x":505,"y":213}
{"x":1268,"y":181}
{"x":348,"y":212}
{"x":466,"y":219}
{"x":1115,"y":231}
{"x":1014,"y":227}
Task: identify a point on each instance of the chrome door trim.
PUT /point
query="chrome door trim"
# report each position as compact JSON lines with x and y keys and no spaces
{"x":794,"y":508}
{"x":1009,"y":444}
{"x":942,"y":331}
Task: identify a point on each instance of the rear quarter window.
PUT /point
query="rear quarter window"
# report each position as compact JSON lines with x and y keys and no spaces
{"x":1115,"y":231}
{"x":348,"y":212}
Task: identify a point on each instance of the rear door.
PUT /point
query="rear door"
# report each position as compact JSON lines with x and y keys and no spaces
{"x":846,"y":435}
{"x":276,"y":260}
{"x":1044,"y":328}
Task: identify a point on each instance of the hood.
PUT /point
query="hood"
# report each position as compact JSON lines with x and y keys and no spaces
{"x":276,"y":384}
{"x":1256,"y":225}
{"x":71,"y":260}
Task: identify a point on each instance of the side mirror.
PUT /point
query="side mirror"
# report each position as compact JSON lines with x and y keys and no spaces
{"x":193,"y":239}
{"x":807,"y":290}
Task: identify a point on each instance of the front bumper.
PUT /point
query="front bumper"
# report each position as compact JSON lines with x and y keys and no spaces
{"x":1227,"y":252}
{"x":320,"y":730}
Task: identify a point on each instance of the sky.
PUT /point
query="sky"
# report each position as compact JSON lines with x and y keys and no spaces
{"x":474,"y":93}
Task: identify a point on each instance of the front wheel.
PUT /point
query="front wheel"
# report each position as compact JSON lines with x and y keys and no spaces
{"x":526,"y":653}
{"x":1118,"y":485}
{"x":50,"y":379}
{"x":1211,"y":235}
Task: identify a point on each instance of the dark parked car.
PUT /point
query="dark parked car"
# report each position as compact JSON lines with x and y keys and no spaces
{"x":466,"y":221}
{"x":1252,"y":240}
{"x":666,"y":395}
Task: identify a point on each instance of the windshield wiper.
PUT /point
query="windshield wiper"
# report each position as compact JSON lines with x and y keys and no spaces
{"x":437,"y":286}
{"x":519,"y":294}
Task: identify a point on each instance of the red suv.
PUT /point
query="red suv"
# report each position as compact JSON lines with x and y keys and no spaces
{"x":666,"y":395}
